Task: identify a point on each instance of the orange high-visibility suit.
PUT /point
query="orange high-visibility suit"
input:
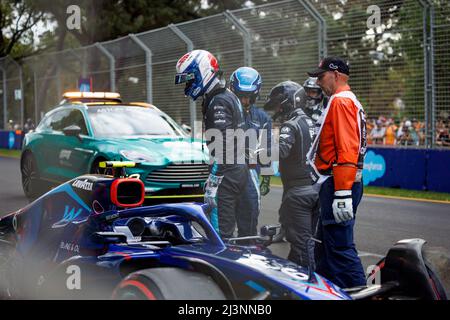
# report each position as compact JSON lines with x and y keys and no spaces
{"x":339,"y":143}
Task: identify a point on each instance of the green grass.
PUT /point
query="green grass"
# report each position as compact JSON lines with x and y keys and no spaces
{"x":10,"y":153}
{"x":430,"y":195}
{"x":393,"y":192}
{"x":275,"y":181}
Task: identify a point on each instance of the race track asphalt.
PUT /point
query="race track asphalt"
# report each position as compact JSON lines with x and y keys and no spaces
{"x":380,"y":221}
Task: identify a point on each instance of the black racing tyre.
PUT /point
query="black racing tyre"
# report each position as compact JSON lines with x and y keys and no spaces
{"x":31,"y":183}
{"x":167,"y":284}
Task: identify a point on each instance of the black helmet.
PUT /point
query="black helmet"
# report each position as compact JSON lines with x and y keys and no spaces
{"x":313,"y":90}
{"x":281,"y":98}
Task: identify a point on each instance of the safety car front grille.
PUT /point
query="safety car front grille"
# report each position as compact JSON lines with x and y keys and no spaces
{"x":180,"y":172}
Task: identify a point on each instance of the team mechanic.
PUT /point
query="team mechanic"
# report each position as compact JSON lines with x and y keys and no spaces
{"x":337,"y":157}
{"x":222,"y":110}
{"x":315,"y":99}
{"x":312,"y":102}
{"x":245,"y":83}
{"x":299,"y":208}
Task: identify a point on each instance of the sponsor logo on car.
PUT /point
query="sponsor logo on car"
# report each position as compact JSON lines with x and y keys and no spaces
{"x":72,"y":247}
{"x":65,"y":154}
{"x":83,"y":184}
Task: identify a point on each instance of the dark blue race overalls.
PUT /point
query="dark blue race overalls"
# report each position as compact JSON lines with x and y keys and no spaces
{"x":250,"y":202}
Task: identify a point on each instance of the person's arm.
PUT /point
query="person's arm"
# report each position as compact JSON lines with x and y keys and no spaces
{"x":266,"y":167}
{"x":287,"y":140}
{"x":219,"y":117}
{"x":347,"y":141}
{"x":266,"y":137}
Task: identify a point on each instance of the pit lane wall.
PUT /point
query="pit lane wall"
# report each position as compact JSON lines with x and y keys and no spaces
{"x":415,"y":169}
{"x":11,"y":139}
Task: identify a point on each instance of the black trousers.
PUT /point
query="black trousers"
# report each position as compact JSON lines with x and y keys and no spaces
{"x":234,"y":184}
{"x":299,"y":213}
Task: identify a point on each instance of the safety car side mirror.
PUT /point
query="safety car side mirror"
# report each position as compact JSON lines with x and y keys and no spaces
{"x":186,"y":128}
{"x":72,"y":131}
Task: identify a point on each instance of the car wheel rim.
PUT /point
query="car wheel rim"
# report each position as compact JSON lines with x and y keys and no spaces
{"x":28,"y":174}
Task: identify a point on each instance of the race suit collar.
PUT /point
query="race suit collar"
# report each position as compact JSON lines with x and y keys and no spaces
{"x":218,"y":88}
{"x":345,"y":87}
{"x":296,"y":112}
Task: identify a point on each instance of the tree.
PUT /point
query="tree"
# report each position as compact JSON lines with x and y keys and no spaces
{"x":105,"y":19}
{"x":17,"y":18}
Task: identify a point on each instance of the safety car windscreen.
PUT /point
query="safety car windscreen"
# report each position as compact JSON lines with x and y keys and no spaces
{"x":119,"y":121}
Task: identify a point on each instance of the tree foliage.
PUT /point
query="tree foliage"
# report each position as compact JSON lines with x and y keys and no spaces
{"x":17,"y":18}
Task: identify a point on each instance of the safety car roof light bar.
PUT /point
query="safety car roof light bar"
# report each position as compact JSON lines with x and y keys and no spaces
{"x":91,"y":95}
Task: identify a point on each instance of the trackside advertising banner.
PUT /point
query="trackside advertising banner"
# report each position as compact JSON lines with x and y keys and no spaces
{"x":416,"y":169}
{"x":11,"y":139}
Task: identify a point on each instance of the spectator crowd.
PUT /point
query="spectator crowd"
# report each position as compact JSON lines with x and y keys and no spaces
{"x":386,"y":131}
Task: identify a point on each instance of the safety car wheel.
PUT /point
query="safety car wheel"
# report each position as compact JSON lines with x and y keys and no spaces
{"x":31,"y":184}
{"x":95,"y":169}
{"x":167,"y":284}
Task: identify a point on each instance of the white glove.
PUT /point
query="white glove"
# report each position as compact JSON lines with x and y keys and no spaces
{"x":211,"y":187}
{"x":343,"y":206}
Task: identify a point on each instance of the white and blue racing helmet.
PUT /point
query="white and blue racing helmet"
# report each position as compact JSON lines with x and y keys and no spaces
{"x":198,"y":69}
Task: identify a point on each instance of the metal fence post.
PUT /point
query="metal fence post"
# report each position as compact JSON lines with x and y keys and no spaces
{"x":148,"y":66}
{"x":190,"y":47}
{"x":5,"y":100}
{"x":36,"y":111}
{"x":247,"y":37}
{"x":432,"y":79}
{"x":322,"y":37}
{"x":112,"y":65}
{"x":21,"y":91}
{"x":35,"y":92}
{"x":22,"y":97}
{"x":428,"y":74}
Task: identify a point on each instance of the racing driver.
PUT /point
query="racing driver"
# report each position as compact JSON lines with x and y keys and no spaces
{"x":245,"y":83}
{"x":222,"y":112}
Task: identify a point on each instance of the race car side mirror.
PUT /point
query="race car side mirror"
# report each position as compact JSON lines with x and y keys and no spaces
{"x":268,"y":230}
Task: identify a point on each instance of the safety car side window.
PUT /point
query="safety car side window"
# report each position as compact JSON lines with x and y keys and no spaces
{"x":44,"y":125}
{"x":76,"y":118}
{"x":58,"y":120}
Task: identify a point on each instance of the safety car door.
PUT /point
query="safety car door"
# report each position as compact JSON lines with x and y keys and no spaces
{"x":74,"y":152}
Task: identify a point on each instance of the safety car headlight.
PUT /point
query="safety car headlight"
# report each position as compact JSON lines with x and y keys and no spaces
{"x":136,"y":156}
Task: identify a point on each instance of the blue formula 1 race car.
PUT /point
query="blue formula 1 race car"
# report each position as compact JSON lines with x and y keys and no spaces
{"x":90,"y":238}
